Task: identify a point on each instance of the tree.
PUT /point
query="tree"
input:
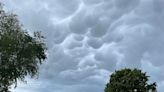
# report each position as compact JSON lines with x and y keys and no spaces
{"x":129,"y":80}
{"x":20,"y":53}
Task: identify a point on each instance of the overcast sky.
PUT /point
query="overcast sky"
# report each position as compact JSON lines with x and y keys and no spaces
{"x":89,"y":39}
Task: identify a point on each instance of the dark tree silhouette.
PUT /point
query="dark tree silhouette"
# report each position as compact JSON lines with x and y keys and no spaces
{"x":20,"y":53}
{"x":129,"y":80}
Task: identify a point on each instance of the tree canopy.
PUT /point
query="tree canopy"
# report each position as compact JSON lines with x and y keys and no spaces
{"x":129,"y":80}
{"x":20,"y":53}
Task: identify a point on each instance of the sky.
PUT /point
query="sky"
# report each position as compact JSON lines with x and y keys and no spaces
{"x":87,"y":40}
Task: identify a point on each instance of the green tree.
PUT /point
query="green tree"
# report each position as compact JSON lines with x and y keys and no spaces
{"x":129,"y":80}
{"x":20,"y":53}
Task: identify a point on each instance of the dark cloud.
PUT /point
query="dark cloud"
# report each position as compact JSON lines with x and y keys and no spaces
{"x":89,"y":39}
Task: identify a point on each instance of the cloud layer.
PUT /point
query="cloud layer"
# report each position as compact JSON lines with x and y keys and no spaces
{"x":89,"y":39}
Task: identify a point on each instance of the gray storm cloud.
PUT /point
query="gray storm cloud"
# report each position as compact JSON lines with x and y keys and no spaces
{"x":88,"y":39}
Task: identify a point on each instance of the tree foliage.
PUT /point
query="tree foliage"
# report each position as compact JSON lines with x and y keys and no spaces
{"x":129,"y":80}
{"x":20,"y":53}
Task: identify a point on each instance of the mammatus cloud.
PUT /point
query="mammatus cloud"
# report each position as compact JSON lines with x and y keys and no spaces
{"x":89,"y":39}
